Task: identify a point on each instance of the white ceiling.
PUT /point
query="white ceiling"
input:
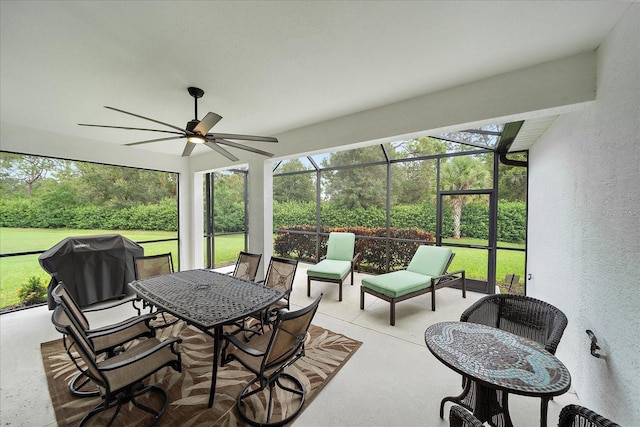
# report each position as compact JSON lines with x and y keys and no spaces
{"x":266,"y":67}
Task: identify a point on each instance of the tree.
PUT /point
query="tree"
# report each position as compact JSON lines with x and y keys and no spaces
{"x":26,"y":169}
{"x":512,"y":182}
{"x":228,"y":199}
{"x":462,"y":173}
{"x":118,"y":187}
{"x":360,"y":187}
{"x":293,"y":188}
{"x":417,"y":181}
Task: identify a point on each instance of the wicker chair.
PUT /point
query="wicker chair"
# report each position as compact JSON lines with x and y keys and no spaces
{"x":521,"y":315}
{"x":247,"y":266}
{"x":578,"y":416}
{"x":119,"y":378}
{"x":267,"y":356}
{"x":460,"y":417}
{"x":570,"y":416}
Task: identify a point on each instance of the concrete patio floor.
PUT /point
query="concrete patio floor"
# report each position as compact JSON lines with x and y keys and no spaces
{"x":392,"y":380}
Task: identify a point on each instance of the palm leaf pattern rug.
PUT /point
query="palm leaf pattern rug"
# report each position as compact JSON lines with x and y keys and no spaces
{"x":326,"y":353}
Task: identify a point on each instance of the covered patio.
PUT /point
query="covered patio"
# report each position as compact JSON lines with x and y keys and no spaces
{"x":392,"y":379}
{"x":325,"y":77}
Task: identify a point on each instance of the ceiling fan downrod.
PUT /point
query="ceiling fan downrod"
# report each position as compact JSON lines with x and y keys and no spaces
{"x":196,"y":93}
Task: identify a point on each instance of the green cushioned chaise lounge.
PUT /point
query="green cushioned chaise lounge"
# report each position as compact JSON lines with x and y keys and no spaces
{"x":338,"y":263}
{"x":426,"y":272}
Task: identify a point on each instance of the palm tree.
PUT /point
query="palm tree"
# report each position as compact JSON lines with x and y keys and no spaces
{"x":462,"y":173}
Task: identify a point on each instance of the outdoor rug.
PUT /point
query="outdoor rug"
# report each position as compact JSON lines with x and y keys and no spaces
{"x":326,"y":353}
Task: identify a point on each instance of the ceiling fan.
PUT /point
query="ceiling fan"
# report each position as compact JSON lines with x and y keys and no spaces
{"x":196,"y":132}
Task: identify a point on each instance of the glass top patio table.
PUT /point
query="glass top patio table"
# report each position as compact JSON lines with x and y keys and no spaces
{"x":206,"y":299}
{"x":498,"y":360}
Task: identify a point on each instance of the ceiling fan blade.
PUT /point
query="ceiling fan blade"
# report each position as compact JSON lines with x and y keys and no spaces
{"x":155,"y":140}
{"x":242,"y":147}
{"x":221,"y":150}
{"x":188,"y":149}
{"x":147,"y":118}
{"x":128,"y":128}
{"x":242,"y":137}
{"x":207,"y":123}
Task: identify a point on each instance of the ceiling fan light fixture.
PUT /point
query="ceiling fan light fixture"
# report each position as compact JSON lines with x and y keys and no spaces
{"x":196,"y":139}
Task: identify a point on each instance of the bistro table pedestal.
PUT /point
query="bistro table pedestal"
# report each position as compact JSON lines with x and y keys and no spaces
{"x":494,"y":360}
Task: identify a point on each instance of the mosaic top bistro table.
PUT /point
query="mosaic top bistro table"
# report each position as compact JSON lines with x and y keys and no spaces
{"x":493,"y":360}
{"x":207,"y":300}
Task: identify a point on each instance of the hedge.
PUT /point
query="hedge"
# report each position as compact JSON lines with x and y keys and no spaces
{"x":373,"y":254}
{"x":32,"y":213}
{"x":511,"y":218}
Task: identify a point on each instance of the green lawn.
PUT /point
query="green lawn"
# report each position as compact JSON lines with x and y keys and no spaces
{"x":474,"y":261}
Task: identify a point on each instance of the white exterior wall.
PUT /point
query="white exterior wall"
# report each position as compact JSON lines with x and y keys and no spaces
{"x":584,"y":229}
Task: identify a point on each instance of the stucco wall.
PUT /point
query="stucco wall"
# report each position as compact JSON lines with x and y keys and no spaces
{"x":584,"y":229}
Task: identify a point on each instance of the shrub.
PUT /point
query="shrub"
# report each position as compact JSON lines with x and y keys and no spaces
{"x":371,"y":243}
{"x":33,"y":292}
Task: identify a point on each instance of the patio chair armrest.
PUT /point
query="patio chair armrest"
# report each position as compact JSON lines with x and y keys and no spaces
{"x":135,"y":358}
{"x":242,"y":346}
{"x":110,"y":329}
{"x":355,"y":259}
{"x":450,"y":275}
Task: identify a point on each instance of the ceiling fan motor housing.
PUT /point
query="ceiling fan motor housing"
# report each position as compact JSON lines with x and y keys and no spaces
{"x":192,"y":124}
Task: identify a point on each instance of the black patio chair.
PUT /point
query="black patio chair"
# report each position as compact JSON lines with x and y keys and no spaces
{"x":280,"y":276}
{"x":267,"y":356}
{"x":247,"y":266}
{"x":107,"y":339}
{"x":150,"y":266}
{"x":120,"y":378}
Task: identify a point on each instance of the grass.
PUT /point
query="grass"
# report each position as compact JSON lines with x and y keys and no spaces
{"x":474,"y":261}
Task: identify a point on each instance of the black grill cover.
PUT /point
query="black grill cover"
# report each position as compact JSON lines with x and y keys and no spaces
{"x":93,"y":268}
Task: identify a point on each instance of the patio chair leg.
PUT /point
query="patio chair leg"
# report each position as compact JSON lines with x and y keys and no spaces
{"x":308,"y":286}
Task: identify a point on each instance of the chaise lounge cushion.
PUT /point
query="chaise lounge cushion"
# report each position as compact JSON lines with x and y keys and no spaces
{"x":397,"y":283}
{"x":330,"y":269}
{"x":430,"y":260}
